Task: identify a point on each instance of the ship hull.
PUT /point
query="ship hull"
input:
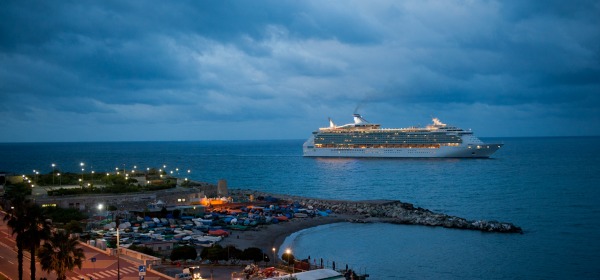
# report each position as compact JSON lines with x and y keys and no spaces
{"x":403,"y":153}
{"x":463,"y":151}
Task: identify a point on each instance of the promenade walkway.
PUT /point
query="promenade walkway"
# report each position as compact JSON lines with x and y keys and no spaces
{"x":105,"y":266}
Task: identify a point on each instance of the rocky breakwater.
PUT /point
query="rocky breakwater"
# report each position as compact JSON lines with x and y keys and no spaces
{"x":393,"y":211}
{"x":397,"y":212}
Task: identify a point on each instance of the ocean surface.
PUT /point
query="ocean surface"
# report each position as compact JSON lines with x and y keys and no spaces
{"x":548,"y":186}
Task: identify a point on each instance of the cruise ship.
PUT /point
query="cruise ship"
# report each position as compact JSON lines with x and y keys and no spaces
{"x":365,"y":139}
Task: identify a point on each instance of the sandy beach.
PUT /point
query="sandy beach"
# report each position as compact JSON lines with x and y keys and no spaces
{"x":267,"y":237}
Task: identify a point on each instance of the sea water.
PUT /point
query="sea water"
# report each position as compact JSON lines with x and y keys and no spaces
{"x":548,"y":186}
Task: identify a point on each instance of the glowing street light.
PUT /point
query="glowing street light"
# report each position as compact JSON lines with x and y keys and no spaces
{"x":53,"y":166}
{"x":82,"y":165}
{"x":289,"y":256}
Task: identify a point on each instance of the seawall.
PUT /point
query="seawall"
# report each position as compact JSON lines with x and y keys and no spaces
{"x":390,"y":211}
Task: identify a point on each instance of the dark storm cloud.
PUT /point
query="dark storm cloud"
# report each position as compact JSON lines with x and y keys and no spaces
{"x":290,"y":64}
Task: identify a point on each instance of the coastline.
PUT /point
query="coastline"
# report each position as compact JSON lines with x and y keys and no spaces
{"x":269,"y":238}
{"x":272,"y":236}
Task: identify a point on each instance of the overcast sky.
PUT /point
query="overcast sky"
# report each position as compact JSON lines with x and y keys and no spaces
{"x":210,"y":70}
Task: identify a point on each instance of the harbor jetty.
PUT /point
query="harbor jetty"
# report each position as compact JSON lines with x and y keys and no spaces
{"x":388,"y":211}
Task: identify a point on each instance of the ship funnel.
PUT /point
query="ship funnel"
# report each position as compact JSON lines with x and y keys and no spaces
{"x":358,"y":119}
{"x":437,"y":122}
{"x":331,"y":124}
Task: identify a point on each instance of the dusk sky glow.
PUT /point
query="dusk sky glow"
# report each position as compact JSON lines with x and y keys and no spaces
{"x":237,"y":70}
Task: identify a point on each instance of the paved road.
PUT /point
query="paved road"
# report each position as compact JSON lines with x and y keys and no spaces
{"x":105,"y":266}
{"x":8,"y":256}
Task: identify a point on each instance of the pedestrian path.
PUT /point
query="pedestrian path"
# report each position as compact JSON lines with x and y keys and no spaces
{"x":111,"y":274}
{"x":101,"y":265}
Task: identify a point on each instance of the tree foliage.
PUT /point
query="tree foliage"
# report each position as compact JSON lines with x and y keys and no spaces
{"x":231,"y":252}
{"x":184,"y":253}
{"x":60,"y":254}
{"x":288,"y":257}
{"x":28,"y":223}
{"x":37,"y":229}
{"x":218,"y":253}
{"x":62,"y":215}
{"x":213,"y":254}
{"x":73,"y":227}
{"x":16,"y":192}
{"x":253,"y":254}
{"x":15,"y":219}
{"x":113,"y":183}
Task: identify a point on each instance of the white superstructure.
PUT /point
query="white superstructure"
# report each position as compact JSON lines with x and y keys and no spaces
{"x":364,"y":139}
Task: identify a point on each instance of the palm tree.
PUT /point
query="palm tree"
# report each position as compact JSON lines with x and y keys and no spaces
{"x":29,"y":224}
{"x":37,"y":229}
{"x":16,"y":220}
{"x":60,"y":254}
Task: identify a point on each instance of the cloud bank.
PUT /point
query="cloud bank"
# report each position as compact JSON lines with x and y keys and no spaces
{"x":155,"y":70}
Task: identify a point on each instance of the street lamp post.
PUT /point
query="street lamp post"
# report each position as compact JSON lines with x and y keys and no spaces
{"x":53,"y":165}
{"x":118,"y":244}
{"x":59,"y":179}
{"x":82,"y":165}
{"x":289,"y":255}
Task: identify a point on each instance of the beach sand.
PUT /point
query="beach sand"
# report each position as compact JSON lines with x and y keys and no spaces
{"x":267,"y":237}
